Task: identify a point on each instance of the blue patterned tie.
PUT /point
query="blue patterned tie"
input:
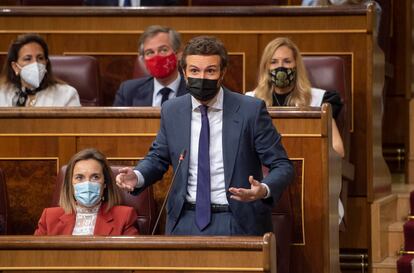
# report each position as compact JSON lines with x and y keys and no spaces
{"x":165,"y":92}
{"x":203,"y":202}
{"x":127,"y":3}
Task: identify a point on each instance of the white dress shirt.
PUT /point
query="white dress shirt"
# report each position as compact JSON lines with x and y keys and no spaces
{"x":157,"y":96}
{"x":215,"y":118}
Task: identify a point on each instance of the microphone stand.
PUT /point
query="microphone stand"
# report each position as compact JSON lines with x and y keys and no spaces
{"x":180,"y":159}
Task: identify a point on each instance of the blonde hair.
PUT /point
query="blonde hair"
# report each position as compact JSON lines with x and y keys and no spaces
{"x":301,"y":93}
{"x":111,"y":192}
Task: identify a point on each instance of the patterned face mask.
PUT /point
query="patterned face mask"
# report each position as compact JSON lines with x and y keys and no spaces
{"x":282,"y":77}
{"x":161,"y":66}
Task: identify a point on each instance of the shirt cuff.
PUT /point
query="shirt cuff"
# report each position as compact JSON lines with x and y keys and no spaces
{"x":141,"y":179}
{"x":268,"y":191}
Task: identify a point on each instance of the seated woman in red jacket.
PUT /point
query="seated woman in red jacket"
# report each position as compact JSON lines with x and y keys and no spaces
{"x":89,"y":201}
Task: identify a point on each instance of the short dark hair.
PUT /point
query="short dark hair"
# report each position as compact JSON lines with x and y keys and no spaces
{"x":111,"y":192}
{"x":8,"y":74}
{"x":153,"y":30}
{"x":207,"y":46}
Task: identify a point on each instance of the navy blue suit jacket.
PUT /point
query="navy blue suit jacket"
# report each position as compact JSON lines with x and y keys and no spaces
{"x":139,"y":92}
{"x":143,"y":2}
{"x":249,"y":140}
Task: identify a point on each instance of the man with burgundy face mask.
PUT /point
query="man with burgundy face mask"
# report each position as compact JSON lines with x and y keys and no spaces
{"x":219,"y":188}
{"x":159,"y":50}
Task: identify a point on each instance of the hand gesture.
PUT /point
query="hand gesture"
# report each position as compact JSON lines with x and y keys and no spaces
{"x":126,"y":179}
{"x":256,"y":191}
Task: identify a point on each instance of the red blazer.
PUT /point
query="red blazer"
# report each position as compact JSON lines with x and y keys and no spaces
{"x":119,"y":220}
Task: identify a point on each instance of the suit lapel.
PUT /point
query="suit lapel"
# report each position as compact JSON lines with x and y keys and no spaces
{"x":144,"y":94}
{"x":66,"y":224}
{"x":104,"y":225}
{"x":232,"y":127}
{"x":184,"y":126}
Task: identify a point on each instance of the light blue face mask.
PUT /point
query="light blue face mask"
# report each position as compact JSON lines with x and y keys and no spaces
{"x":88,"y":193}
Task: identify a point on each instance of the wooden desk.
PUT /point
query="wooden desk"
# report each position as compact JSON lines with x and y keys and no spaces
{"x":37,"y":141}
{"x":142,"y":253}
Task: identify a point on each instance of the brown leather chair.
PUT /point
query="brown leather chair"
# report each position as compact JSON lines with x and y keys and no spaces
{"x":234,"y":3}
{"x":144,"y":203}
{"x":139,"y":69}
{"x":82,"y":73}
{"x":328,"y":73}
{"x":4,"y":204}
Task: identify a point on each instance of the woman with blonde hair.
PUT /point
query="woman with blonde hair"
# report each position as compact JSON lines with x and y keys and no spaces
{"x":283,"y":81}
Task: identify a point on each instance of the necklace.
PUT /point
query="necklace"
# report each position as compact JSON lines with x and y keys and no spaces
{"x":277,"y":100}
{"x":32,"y":100}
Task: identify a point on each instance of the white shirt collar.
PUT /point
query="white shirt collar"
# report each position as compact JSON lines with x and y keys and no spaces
{"x":215,"y":103}
{"x":173,"y":86}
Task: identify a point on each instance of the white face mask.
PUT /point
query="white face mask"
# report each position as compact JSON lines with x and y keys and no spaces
{"x":33,"y":73}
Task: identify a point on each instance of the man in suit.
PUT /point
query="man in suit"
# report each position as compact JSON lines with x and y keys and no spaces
{"x":129,"y":3}
{"x":160,"y":50}
{"x":219,"y":188}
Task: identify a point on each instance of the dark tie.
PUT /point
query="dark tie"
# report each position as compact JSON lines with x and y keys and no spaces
{"x":165,"y":92}
{"x":127,"y":3}
{"x":203,"y":203}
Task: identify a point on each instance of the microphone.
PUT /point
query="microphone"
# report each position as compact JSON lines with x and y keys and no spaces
{"x":180,"y":159}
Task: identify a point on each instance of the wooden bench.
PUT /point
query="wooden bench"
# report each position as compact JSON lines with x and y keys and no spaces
{"x":141,"y":253}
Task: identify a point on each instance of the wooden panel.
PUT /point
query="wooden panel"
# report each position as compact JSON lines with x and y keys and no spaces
{"x":115,"y":146}
{"x":383,"y":215}
{"x":161,"y":253}
{"x":125,"y":134}
{"x":397,"y":44}
{"x":296,"y":191}
{"x":30,"y":184}
{"x":114,"y":69}
{"x":358,"y":227}
{"x":410,"y":153}
{"x":395,"y":137}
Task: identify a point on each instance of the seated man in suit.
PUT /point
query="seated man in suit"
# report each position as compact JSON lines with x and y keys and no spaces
{"x":219,"y":188}
{"x":160,"y":49}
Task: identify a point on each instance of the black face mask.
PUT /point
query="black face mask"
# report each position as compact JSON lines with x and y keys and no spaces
{"x":202,"y":89}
